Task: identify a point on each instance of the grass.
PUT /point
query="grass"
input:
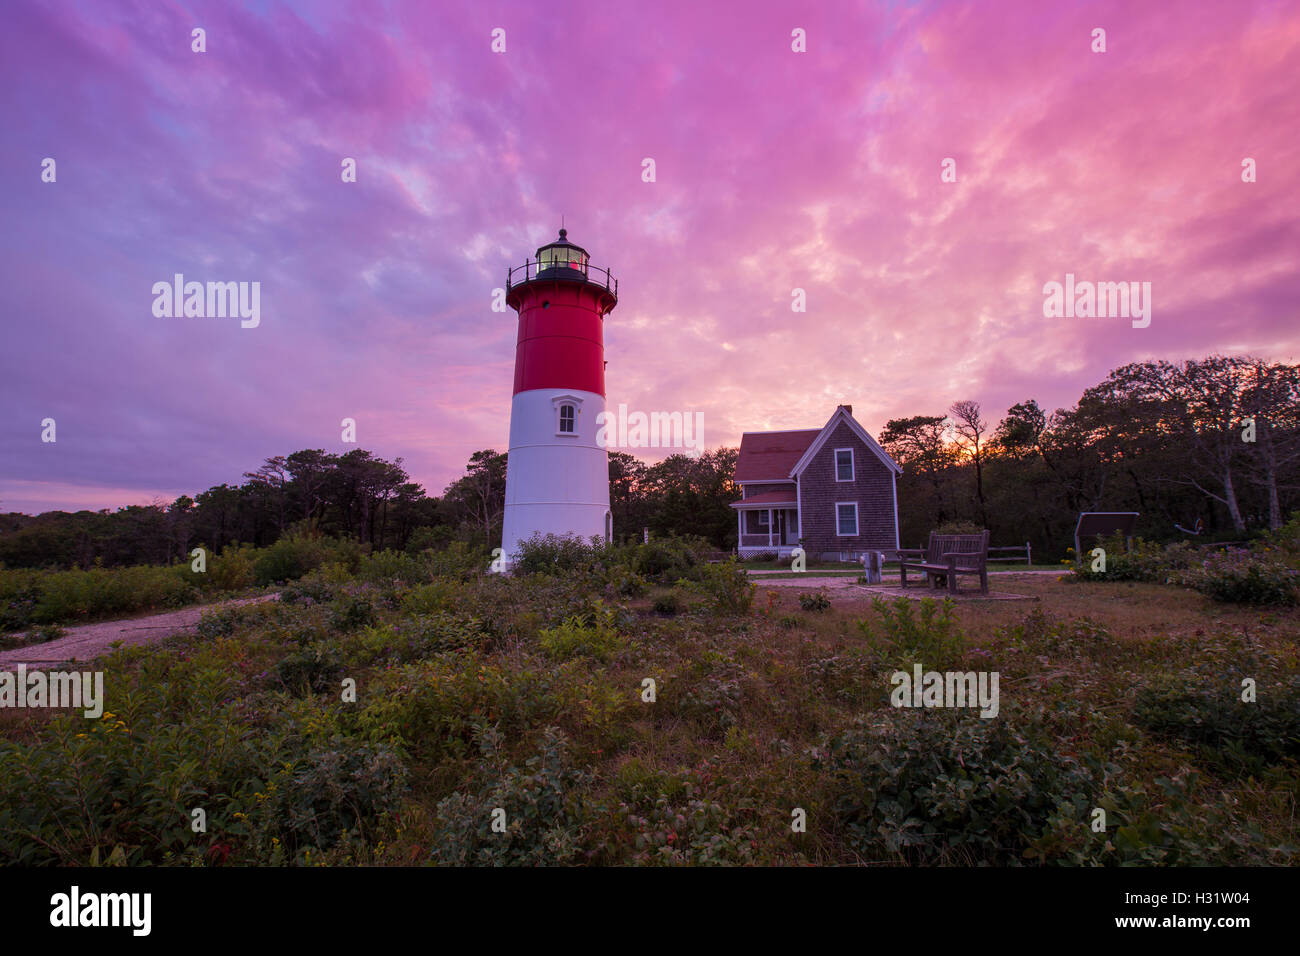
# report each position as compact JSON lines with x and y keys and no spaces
{"x":531,"y":694}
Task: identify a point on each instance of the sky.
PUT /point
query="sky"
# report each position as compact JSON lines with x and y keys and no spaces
{"x":774,"y":170}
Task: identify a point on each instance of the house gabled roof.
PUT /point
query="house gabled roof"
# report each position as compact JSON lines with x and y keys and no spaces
{"x":843,"y":414}
{"x":770,"y":456}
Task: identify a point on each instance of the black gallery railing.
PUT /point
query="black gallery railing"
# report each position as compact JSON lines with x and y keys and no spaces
{"x":559,"y":269}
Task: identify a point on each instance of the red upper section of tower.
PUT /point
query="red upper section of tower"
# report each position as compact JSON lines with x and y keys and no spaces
{"x":561,"y":303}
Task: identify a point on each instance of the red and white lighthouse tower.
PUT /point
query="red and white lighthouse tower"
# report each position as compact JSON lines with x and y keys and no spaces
{"x":557,"y":473}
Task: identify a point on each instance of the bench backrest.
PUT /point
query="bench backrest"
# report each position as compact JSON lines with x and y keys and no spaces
{"x":973,"y":548}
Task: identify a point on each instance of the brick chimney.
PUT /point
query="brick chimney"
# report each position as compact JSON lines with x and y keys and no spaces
{"x":847,"y":408}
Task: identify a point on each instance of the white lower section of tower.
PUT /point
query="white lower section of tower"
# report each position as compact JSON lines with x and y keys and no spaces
{"x":556,"y":482}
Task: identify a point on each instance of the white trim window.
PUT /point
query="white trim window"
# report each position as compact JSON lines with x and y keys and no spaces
{"x":844,"y":464}
{"x":762,"y":519}
{"x":846,"y":520}
{"x":567,"y":410}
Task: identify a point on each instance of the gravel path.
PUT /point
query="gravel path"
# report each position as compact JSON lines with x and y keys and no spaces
{"x":85,"y":642}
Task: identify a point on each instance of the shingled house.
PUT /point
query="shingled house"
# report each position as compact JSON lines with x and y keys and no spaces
{"x":832,"y":490}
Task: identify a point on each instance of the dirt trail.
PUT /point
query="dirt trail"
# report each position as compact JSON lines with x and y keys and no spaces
{"x":85,"y":642}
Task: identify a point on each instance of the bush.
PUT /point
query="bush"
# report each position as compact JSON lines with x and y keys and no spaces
{"x":314,"y":668}
{"x":667,"y":820}
{"x":543,"y":814}
{"x":665,"y":560}
{"x":817,"y":601}
{"x":959,"y":527}
{"x":554,"y":554}
{"x":1242,"y":577}
{"x":351,"y":610}
{"x":577,"y":637}
{"x":727,"y":588}
{"x":1143,"y":561}
{"x":340,"y":788}
{"x":627,"y":583}
{"x":939,"y":787}
{"x":429,"y":538}
{"x":668,"y":604}
{"x":709,"y":695}
{"x":1180,"y":823}
{"x":933,"y":638}
{"x":232,"y":570}
{"x":1227,"y":732}
{"x":459,"y":561}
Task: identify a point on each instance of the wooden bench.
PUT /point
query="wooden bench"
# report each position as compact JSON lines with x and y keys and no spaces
{"x":947,"y":556}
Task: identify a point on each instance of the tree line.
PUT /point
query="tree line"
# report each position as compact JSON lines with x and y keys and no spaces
{"x":1206,"y":447}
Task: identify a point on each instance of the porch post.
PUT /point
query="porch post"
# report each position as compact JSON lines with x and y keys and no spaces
{"x":740,"y":529}
{"x":769,"y":527}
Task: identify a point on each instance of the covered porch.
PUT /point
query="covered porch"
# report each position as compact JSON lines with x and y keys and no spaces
{"x":767,"y":522}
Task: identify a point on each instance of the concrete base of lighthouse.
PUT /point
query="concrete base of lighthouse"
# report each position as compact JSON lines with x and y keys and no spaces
{"x":557,"y":482}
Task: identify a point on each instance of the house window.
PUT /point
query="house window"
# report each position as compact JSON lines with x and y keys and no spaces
{"x":846,"y":518}
{"x":566,"y":419}
{"x":762,"y":519}
{"x":843,"y":464}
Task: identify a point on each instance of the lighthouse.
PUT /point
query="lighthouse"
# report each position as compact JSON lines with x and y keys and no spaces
{"x":557,"y":473}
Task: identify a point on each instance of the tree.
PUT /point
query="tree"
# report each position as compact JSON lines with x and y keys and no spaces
{"x":479,"y":498}
{"x":970,"y":429}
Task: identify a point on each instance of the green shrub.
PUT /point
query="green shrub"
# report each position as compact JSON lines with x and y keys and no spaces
{"x":726,"y":588}
{"x":429,"y":538}
{"x":543,"y":813}
{"x":627,"y":583}
{"x":668,"y":604}
{"x":941,"y":787}
{"x":665,"y":560}
{"x":556,"y":554}
{"x":313,"y":668}
{"x":1243,"y":577}
{"x":232,"y":569}
{"x":1180,"y":823}
{"x":385,"y":566}
{"x":1230,"y":734}
{"x":709,"y":694}
{"x":578,"y":637}
{"x":931,"y":638}
{"x":959,"y":527}
{"x":458,"y":561}
{"x":667,"y":821}
{"x":817,"y":601}
{"x":351,"y":610}
{"x":339,"y":789}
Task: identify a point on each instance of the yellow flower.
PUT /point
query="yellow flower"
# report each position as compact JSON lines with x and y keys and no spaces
{"x":241,"y":816}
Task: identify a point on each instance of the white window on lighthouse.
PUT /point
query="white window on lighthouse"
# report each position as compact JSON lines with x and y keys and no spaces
{"x":567,"y":409}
